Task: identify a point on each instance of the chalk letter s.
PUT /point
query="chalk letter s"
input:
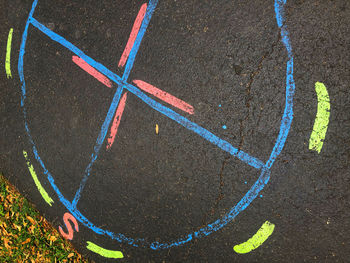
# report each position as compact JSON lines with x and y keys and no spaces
{"x":66,"y":217}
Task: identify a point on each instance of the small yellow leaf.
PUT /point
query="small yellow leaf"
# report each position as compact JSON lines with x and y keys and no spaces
{"x":71,"y":255}
{"x":18,"y":227}
{"x":5,"y":232}
{"x":31,"y":229}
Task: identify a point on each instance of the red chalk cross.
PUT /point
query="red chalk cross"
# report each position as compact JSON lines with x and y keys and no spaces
{"x":160,"y":94}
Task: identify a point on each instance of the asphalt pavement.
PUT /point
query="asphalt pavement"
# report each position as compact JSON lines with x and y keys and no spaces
{"x":172,"y":131}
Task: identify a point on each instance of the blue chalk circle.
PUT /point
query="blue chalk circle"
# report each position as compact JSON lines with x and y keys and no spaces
{"x":122,"y":83}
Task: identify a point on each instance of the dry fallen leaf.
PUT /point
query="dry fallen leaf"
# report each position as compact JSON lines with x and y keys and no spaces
{"x":5,"y":232}
{"x":9,"y":198}
{"x":6,"y":243}
{"x":31,"y":220}
{"x":26,"y":241}
{"x":18,"y":227}
{"x":52,"y":239}
{"x":71,"y":255}
{"x":31,"y":229}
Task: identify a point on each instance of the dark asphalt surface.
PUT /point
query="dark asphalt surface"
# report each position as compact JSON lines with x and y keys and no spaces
{"x":160,"y":187}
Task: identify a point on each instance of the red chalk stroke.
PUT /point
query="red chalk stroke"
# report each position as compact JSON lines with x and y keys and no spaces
{"x":66,"y":217}
{"x":168,"y":98}
{"x":133,"y":34}
{"x":116,"y":120}
{"x":93,"y":72}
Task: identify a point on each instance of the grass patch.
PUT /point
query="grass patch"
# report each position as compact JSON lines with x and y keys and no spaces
{"x":25,"y":236}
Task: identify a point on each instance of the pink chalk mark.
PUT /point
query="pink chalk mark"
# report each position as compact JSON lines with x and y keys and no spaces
{"x":168,"y":98}
{"x":66,"y":217}
{"x":119,"y":112}
{"x":116,"y":120}
{"x":135,"y":29}
{"x":93,"y":72}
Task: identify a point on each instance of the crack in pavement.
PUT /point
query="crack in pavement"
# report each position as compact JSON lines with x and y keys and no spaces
{"x":216,"y":204}
{"x":220,"y":195}
{"x":221,"y":185}
{"x":249,"y":97}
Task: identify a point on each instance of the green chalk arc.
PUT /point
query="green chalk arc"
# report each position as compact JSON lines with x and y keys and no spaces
{"x":255,"y":241}
{"x":8,"y":55}
{"x":41,"y":189}
{"x":104,"y":252}
{"x":319,"y":131}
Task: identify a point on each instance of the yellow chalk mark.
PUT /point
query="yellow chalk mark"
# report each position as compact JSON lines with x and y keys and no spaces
{"x":157,"y":129}
{"x":41,"y":189}
{"x":8,"y":55}
{"x":104,"y":252}
{"x":322,"y":118}
{"x":255,"y":241}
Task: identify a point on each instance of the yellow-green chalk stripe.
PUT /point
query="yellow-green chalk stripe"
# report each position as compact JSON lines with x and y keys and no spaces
{"x":255,"y":241}
{"x":104,"y":252}
{"x":322,"y":118}
{"x":8,"y":55}
{"x":41,"y":189}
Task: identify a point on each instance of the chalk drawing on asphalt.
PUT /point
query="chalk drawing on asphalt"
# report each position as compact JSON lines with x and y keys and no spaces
{"x":104,"y":252}
{"x":8,"y":55}
{"x":256,"y":240}
{"x":41,"y":189}
{"x":66,"y":218}
{"x":121,"y":83}
{"x":319,"y":131}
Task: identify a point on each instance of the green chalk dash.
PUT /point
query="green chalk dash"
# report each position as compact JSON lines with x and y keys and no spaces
{"x":8,"y":55}
{"x":255,"y":241}
{"x":319,"y":131}
{"x":41,"y":189}
{"x":104,"y":252}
